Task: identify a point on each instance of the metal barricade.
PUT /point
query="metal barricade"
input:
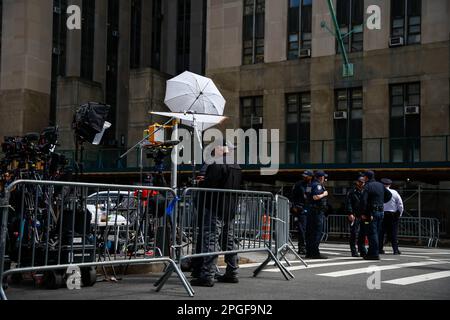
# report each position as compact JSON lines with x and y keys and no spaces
{"x":214,"y":222}
{"x":49,"y":227}
{"x":338,"y":225}
{"x":283,"y":242}
{"x":419,"y":228}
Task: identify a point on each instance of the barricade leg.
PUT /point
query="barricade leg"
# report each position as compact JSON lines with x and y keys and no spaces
{"x":174,"y":268}
{"x":3,"y":231}
{"x":286,"y":273}
{"x":288,"y":248}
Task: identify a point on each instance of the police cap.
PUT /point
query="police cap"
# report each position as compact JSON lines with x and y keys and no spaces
{"x":386,"y":181}
{"x":307,"y":173}
{"x":369,"y":174}
{"x":361,"y":179}
{"x":320,"y":173}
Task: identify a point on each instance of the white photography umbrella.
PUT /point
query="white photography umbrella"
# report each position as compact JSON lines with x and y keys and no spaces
{"x":192,"y":92}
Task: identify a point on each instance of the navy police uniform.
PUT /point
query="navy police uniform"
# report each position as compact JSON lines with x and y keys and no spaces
{"x":316,"y":216}
{"x":372,"y":206}
{"x":300,"y":208}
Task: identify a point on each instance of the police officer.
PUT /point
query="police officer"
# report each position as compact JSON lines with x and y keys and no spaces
{"x":318,"y":207}
{"x":299,"y":199}
{"x":353,"y":209}
{"x":372,"y":205}
{"x":393,"y":210}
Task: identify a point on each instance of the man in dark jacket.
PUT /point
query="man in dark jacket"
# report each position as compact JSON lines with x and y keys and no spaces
{"x":372,"y":206}
{"x":216,"y":220}
{"x":353,"y":210}
{"x":299,"y":210}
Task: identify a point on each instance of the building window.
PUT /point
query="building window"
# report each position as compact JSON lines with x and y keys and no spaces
{"x":299,"y":27}
{"x":350,"y":16}
{"x":157,"y":17}
{"x":87,"y":39}
{"x":405,"y":122}
{"x":112,"y":68}
{"x":183,"y":35}
{"x":59,"y":41}
{"x":406,"y":20}
{"x":348,"y":125}
{"x":252,"y":112}
{"x":253,"y":37}
{"x":298,"y":128}
{"x":135,"y":36}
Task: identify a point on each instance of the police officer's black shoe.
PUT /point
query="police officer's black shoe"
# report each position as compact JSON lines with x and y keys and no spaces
{"x":318,"y":256}
{"x":201,"y":282}
{"x":397,"y":252}
{"x":301,"y":251}
{"x":367,"y":257}
{"x":227,"y":279}
{"x":355,"y":254}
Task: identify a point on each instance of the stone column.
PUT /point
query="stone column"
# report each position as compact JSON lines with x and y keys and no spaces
{"x":378,"y":39}
{"x":26,"y":63}
{"x":275,"y":31}
{"x":73,"y":48}
{"x":100,"y":42}
{"x":224,"y":34}
{"x":323,"y":43}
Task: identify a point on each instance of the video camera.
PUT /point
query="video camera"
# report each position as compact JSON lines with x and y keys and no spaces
{"x":32,"y":152}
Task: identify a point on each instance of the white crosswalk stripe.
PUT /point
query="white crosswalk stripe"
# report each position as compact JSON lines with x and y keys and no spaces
{"x":340,"y":259}
{"x":351,"y":272}
{"x":326,"y":264}
{"x":419,"y":278}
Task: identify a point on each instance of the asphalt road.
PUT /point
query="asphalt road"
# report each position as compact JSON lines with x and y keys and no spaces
{"x":419,"y":273}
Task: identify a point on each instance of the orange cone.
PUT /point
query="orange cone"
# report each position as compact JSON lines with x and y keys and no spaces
{"x":266,"y":228}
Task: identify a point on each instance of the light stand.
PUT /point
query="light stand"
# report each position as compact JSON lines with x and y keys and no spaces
{"x":140,"y":145}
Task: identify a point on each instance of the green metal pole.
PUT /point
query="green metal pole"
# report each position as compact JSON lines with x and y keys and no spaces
{"x":339,"y":37}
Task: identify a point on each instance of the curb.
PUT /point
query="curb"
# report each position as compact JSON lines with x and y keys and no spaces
{"x":153,"y":268}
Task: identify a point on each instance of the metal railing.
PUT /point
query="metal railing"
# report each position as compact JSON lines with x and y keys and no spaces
{"x":283,"y":243}
{"x":395,"y":151}
{"x":49,"y":227}
{"x":216,"y":222}
{"x":425,"y":149}
{"x":409,"y":228}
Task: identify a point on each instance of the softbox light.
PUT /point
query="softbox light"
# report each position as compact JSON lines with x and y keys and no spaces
{"x":90,"y":122}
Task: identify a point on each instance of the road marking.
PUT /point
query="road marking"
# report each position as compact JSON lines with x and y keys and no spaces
{"x":331,"y":253}
{"x":414,"y":256}
{"x":271,"y":264}
{"x":381,"y":268}
{"x":419,"y":251}
{"x":321,"y":265}
{"x":421,"y":278}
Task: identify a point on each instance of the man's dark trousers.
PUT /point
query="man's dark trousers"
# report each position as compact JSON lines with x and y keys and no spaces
{"x":357,"y":237}
{"x":373,"y":232}
{"x":390,"y":229}
{"x":301,"y":225}
{"x":216,"y":235}
{"x":314,"y":229}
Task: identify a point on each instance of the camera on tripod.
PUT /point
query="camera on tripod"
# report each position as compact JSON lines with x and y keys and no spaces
{"x":32,"y":153}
